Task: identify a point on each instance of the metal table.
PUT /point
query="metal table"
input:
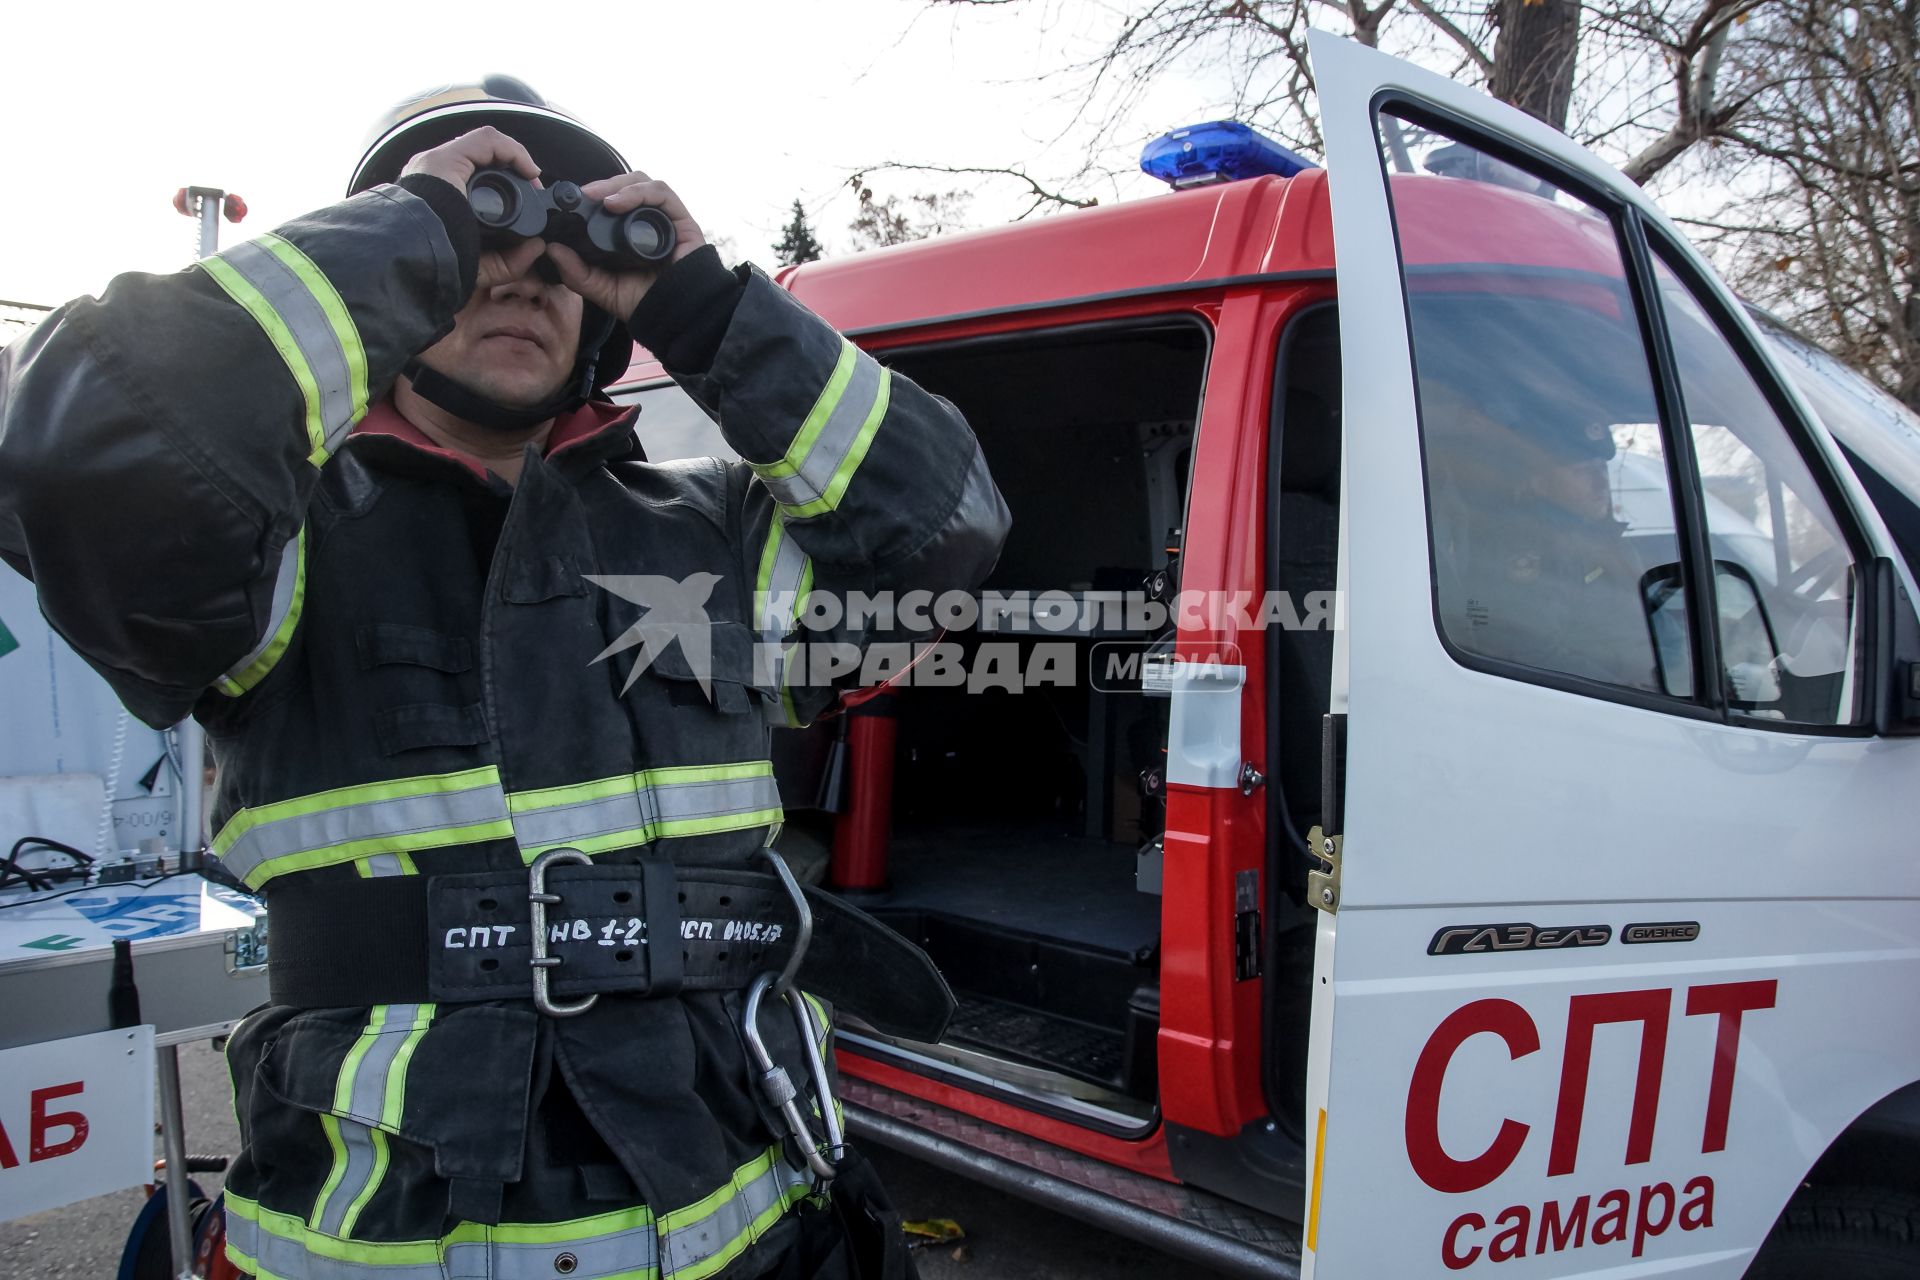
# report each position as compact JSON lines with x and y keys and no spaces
{"x":199,"y":963}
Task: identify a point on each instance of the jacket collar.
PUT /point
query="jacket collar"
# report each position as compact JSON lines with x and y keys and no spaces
{"x":596,"y":432}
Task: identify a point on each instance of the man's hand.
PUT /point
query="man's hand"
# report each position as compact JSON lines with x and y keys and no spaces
{"x":618,"y":292}
{"x":484,"y":148}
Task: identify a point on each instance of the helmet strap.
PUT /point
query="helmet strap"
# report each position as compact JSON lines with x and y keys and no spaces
{"x":463,"y":402}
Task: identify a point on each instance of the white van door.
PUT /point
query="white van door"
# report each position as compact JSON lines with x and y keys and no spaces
{"x":1624,"y":928}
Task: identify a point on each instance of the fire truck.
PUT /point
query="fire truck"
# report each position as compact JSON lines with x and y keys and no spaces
{"x":1515,"y":881}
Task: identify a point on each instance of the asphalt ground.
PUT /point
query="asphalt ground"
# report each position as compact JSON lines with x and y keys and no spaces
{"x":1005,"y":1236}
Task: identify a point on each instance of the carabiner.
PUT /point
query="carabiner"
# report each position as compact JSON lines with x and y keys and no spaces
{"x":775,"y":1084}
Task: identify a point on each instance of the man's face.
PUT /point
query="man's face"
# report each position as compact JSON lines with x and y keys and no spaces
{"x":513,"y":342}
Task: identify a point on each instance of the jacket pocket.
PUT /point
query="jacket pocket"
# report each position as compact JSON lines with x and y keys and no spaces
{"x":529,"y":579}
{"x":428,"y":724}
{"x":385,"y":643}
{"x":728,"y":663}
{"x":409,"y":1071}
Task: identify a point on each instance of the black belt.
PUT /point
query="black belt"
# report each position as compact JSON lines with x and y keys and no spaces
{"x":642,"y":929}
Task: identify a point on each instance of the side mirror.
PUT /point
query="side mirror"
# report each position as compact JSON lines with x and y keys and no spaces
{"x":1663,"y":596}
{"x":1895,"y":687}
{"x":1749,"y":649}
{"x":1755,"y":678}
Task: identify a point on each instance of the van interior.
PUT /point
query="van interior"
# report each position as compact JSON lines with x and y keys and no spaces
{"x":1024,"y":850}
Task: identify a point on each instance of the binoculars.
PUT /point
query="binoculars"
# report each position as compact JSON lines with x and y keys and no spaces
{"x":509,"y":208}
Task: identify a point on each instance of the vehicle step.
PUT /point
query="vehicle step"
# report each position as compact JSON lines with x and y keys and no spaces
{"x":1039,"y":1039}
{"x":1197,"y":1225}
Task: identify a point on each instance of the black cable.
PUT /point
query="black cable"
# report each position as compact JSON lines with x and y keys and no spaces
{"x":67,"y":893}
{"x":41,"y":878}
{"x":9,"y":869}
{"x":54,"y":845}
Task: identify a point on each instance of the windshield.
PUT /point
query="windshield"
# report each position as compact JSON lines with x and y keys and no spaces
{"x":1881,"y":431}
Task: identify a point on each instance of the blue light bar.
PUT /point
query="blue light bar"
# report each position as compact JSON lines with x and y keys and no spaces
{"x":1218,"y":151}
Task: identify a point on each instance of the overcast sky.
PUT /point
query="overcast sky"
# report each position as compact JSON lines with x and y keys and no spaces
{"x":742,"y":106}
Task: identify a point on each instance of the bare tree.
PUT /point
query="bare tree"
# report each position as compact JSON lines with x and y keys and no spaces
{"x":882,"y":222}
{"x":1825,"y":164}
{"x":1803,"y":110}
{"x":1643,"y":79}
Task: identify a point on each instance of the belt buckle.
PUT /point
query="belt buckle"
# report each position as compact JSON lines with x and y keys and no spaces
{"x":542,"y":961}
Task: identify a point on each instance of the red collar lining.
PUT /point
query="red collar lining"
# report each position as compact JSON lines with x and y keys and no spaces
{"x":583,"y":424}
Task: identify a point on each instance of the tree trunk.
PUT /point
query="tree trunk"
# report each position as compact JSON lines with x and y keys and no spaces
{"x":1534,"y":59}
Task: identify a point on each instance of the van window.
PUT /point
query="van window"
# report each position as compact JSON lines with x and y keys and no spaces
{"x":1784,"y":579}
{"x":1548,"y":488}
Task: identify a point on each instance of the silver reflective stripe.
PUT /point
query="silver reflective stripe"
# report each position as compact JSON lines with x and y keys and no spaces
{"x":364,"y":1094}
{"x":779,"y":598}
{"x":784,"y":580}
{"x":731,"y":1223}
{"x":645,"y":811}
{"x":356,"y":1167}
{"x":268,"y":1253}
{"x":311,"y":330}
{"x":810,"y":483}
{"x":630,"y":1242}
{"x":690,"y":801}
{"x":338,"y":833}
{"x":385,"y":864}
{"x":616,"y":1253}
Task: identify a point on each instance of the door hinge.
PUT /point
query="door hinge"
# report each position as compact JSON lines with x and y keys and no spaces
{"x":1323,"y":884}
{"x":1323,"y":841}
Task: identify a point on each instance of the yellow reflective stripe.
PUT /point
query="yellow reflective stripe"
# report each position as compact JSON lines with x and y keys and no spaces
{"x":856,"y":454}
{"x":708,"y":826}
{"x":336,"y":312}
{"x":288,"y":1227}
{"x":396,"y":1092}
{"x":360,"y":793}
{"x":699,"y":1211}
{"x":351,"y":850}
{"x":765,"y":1181}
{"x":253,"y":672}
{"x":331,"y":1127}
{"x":804,"y":590}
{"x":375,"y":826}
{"x":674,"y":828}
{"x":360,"y":1202}
{"x":347,"y":823}
{"x":816,"y":421}
{"x":603,"y":788}
{"x":350,"y":1065}
{"x":598,"y":816}
{"x":763,"y":581}
{"x":242,"y":291}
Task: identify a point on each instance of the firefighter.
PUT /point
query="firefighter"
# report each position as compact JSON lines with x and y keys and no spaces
{"x":351,"y":495}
